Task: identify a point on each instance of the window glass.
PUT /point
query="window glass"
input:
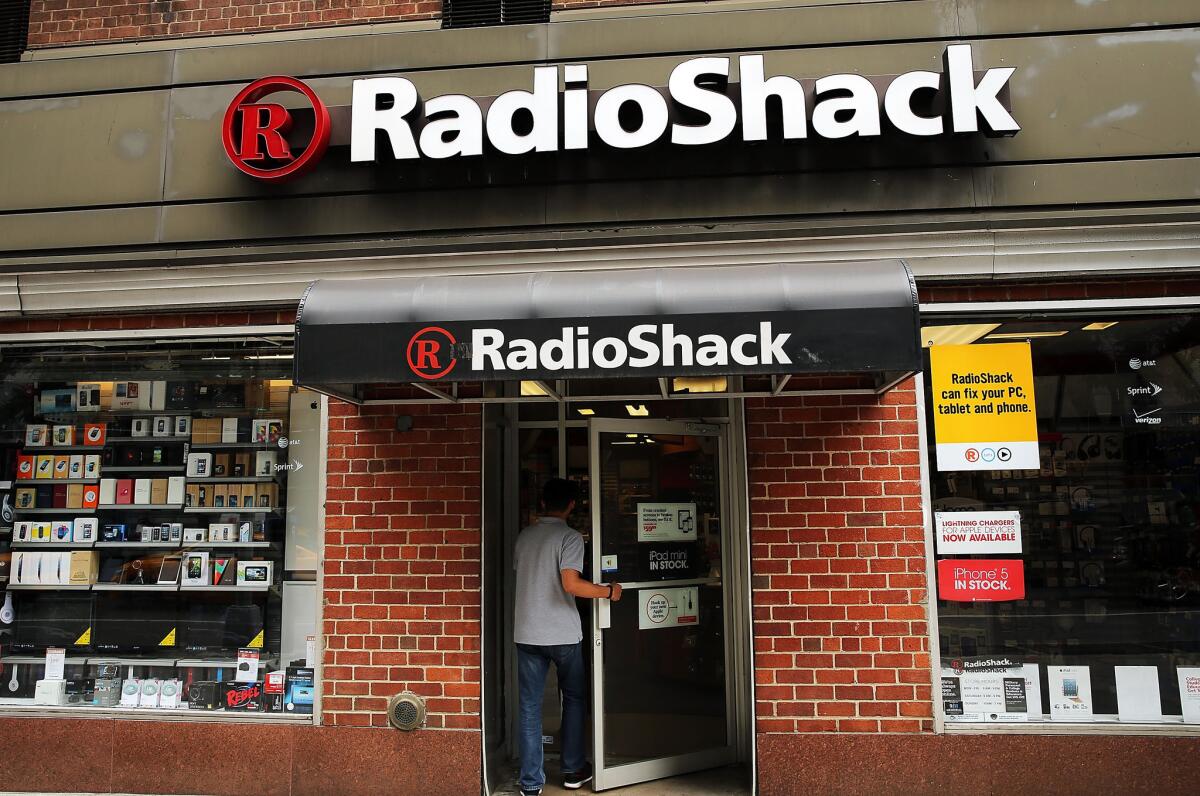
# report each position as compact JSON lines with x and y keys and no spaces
{"x":1109,"y":627}
{"x":145,"y":489}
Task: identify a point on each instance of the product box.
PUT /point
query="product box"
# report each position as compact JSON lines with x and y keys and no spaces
{"x":158,"y":396}
{"x":31,"y":567}
{"x":84,"y":567}
{"x":43,"y":466}
{"x":183,"y":426}
{"x":158,"y":491}
{"x":266,"y":495}
{"x":224,"y":571}
{"x":181,"y":395}
{"x":91,"y":496}
{"x":37,"y":435}
{"x":264,"y":462}
{"x":206,"y":430}
{"x":62,"y":467}
{"x":163,"y":426}
{"x":300,"y":690}
{"x":222,"y":464}
{"x":170,"y":694}
{"x":42,"y":531}
{"x":249,"y":495}
{"x":50,"y":692}
{"x":243,"y":464}
{"x":148,"y":692}
{"x":205,"y":495}
{"x":254,"y":573}
{"x":267,"y":431}
{"x":91,"y":465}
{"x":140,"y":427}
{"x":195,"y":569}
{"x":195,"y":535}
{"x":87,"y":397}
{"x":274,"y":688}
{"x":131,"y":689}
{"x":95,"y":434}
{"x":176,"y":486}
{"x":63,"y":436}
{"x":222,"y":532}
{"x":220,"y":495}
{"x":23,"y":531}
{"x":191,"y":496}
{"x":108,"y":491}
{"x":113,"y":532}
{"x":26,"y":497}
{"x":59,"y":500}
{"x":86,"y":529}
{"x":131,"y":395}
{"x":16,"y":567}
{"x":25,"y":467}
{"x":141,"y":492}
{"x":124,"y":491}
{"x":56,"y":401}
{"x":62,"y":530}
{"x":243,"y":697}
{"x":74,"y":496}
{"x":229,"y":429}
{"x":206,"y":695}
{"x":75,"y":466}
{"x":199,"y":465}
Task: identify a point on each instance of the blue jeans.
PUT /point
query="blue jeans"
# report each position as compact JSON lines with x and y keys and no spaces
{"x":532,"y":664}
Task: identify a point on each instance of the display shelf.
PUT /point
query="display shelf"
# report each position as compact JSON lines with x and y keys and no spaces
{"x":147,"y":468}
{"x":146,"y":440}
{"x":27,"y":545}
{"x":36,"y":449}
{"x":140,"y":507}
{"x":49,"y":586}
{"x":209,"y":663}
{"x":53,"y":481}
{"x":234,"y":479}
{"x":43,"y":512}
{"x":226,"y":588}
{"x":24,"y":707}
{"x":35,"y":659}
{"x":222,"y":545}
{"x":203,"y":446}
{"x":227,"y":510}
{"x":5,"y":530}
{"x":95,"y":660}
{"x":135,"y":587}
{"x":143,"y":545}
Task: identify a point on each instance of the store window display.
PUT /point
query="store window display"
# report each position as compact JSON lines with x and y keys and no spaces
{"x":1104,"y":534}
{"x":148,"y":529}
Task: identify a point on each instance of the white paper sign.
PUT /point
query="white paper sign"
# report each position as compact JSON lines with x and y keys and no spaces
{"x":1070,"y":693}
{"x":310,"y":651}
{"x":1138,"y":697}
{"x":1033,"y":689}
{"x":659,"y":608}
{"x":666,"y":522}
{"x":56,"y":661}
{"x":1189,"y":693}
{"x":983,"y":689}
{"x":967,"y":532}
{"x":247,"y":666}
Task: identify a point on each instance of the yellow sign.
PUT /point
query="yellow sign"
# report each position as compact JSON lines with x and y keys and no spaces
{"x":257,"y":641}
{"x":984,"y":416}
{"x":168,"y":640}
{"x":85,"y":639}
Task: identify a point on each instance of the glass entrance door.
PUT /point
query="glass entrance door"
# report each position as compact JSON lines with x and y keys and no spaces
{"x":660,"y":658}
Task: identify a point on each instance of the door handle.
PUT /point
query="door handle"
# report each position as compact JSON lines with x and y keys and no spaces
{"x":604,"y":613}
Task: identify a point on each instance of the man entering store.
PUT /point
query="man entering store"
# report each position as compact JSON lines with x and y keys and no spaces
{"x":549,"y":564}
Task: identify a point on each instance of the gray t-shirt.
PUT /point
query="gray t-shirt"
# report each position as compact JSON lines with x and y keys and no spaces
{"x":545,"y":613}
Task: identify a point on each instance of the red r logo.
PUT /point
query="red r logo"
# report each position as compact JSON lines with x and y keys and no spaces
{"x":254,"y":133}
{"x":431,"y":353}
{"x":972,"y":455}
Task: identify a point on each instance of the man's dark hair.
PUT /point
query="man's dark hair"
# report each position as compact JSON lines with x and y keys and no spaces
{"x":557,"y":494}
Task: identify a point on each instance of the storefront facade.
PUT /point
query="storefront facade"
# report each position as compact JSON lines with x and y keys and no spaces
{"x":1040,"y":187}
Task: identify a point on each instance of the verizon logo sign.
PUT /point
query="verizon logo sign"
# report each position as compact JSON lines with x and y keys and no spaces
{"x":645,"y":346}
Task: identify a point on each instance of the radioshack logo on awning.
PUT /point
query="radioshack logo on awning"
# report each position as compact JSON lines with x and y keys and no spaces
{"x":431,"y":353}
{"x":704,"y":102}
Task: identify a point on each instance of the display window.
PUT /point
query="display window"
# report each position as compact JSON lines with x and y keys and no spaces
{"x":1066,"y":517}
{"x":157,"y":557}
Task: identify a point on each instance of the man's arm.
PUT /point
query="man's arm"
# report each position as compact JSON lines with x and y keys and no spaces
{"x":574,"y":583}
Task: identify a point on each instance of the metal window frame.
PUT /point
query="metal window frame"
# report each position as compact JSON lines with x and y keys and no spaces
{"x":1104,"y":724}
{"x":179,"y":334}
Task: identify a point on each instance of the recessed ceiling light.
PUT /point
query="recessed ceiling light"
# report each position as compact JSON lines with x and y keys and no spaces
{"x":955,"y":334}
{"x":1100,"y":326}
{"x":529,"y":388}
{"x":1024,"y":335}
{"x":631,"y":436}
{"x":586,"y":412}
{"x":637,"y":411}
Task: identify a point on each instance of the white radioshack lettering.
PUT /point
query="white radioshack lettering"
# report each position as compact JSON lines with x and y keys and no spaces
{"x":646,"y":345}
{"x":551,"y":118}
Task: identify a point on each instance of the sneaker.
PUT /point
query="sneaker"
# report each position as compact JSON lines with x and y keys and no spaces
{"x":531,"y":792}
{"x":573,"y":780}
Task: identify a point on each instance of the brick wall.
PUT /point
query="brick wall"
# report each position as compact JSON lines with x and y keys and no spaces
{"x":191,"y":320}
{"x":402,"y":563}
{"x":56,"y":22}
{"x":838,"y":564}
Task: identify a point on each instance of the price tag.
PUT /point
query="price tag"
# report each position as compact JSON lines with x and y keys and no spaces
{"x":56,"y":661}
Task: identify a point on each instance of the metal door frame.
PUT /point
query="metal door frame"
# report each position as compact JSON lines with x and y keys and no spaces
{"x":657,"y":768}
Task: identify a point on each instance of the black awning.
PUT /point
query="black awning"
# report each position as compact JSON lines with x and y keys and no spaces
{"x":782,"y":318}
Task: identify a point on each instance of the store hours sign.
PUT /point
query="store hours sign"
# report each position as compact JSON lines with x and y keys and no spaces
{"x":705,"y":101}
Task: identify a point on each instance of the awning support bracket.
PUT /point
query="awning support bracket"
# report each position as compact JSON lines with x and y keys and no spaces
{"x":436,"y":393}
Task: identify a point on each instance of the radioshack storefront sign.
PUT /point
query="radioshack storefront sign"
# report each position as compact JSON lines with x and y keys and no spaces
{"x":984,"y":580}
{"x":698,"y":106}
{"x":984,"y":414}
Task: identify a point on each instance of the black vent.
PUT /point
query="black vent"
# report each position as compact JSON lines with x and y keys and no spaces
{"x":14,"y":27}
{"x":479,"y":13}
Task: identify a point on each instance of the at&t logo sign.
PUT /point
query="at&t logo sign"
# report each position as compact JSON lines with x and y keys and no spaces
{"x":254,"y":133}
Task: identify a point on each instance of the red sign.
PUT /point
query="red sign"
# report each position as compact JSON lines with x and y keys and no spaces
{"x":431,"y":353}
{"x":982,"y":580}
{"x":254,"y":133}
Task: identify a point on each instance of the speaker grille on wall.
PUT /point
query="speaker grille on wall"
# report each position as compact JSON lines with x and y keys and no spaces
{"x":406,"y":711}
